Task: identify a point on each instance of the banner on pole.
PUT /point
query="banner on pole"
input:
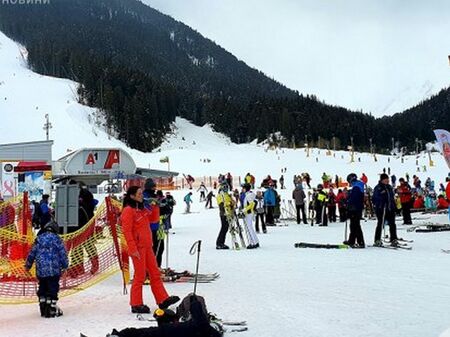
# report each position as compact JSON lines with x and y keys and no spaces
{"x":443,"y":138}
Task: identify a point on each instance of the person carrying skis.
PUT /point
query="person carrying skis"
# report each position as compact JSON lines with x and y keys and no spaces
{"x":188,"y":201}
{"x":202,"y":190}
{"x":404,"y":191}
{"x":259,"y":200}
{"x":226,"y":208}
{"x":299,"y":197}
{"x":51,"y":259}
{"x":135,"y":221}
{"x":209,"y":199}
{"x":320,"y":202}
{"x":249,"y":210}
{"x":355,"y":206}
{"x":383,"y":200}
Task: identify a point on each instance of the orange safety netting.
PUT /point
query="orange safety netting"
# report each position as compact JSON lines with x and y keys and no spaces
{"x":95,"y":251}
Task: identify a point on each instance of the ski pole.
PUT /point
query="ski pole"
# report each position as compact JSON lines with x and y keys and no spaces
{"x":345,"y":232}
{"x":384,"y":222}
{"x":167,"y":249}
{"x":196,"y":249}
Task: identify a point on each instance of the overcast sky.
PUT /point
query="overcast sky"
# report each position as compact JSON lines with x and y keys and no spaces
{"x":380,"y":56}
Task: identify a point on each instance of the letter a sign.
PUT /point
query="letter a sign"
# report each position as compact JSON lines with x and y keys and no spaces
{"x":113,"y":158}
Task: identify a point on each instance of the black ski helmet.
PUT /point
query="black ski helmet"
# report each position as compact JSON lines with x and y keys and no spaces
{"x":149,"y":184}
{"x":246,"y":187}
{"x":52,"y":226}
{"x":351,"y":178}
{"x":165,"y":316}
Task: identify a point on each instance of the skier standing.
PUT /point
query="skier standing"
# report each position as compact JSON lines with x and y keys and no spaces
{"x":320,"y":206}
{"x":249,"y":210}
{"x":269,"y":201}
{"x":384,"y":201}
{"x":404,"y":191}
{"x":209,"y":199}
{"x":260,"y":212}
{"x":188,"y":201}
{"x":202,"y":190}
{"x":135,"y":219}
{"x":355,"y":206}
{"x":331,"y":205}
{"x":299,"y":197}
{"x":226,"y":208}
{"x":282,"y":182}
{"x":51,"y":259}
{"x":341,"y":200}
{"x":170,"y":201}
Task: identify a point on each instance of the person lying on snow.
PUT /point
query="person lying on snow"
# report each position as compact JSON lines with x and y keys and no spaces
{"x":196,"y":322}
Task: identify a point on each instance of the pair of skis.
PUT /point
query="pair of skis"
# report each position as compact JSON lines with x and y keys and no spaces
{"x":235,"y":232}
{"x":220,"y":324}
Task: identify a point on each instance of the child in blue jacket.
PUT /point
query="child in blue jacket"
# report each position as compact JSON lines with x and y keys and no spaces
{"x":51,"y":259}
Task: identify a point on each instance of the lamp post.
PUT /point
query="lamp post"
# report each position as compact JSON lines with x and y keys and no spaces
{"x":47,"y":126}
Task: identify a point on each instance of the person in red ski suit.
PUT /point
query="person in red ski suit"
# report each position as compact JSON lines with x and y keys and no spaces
{"x":135,"y":220}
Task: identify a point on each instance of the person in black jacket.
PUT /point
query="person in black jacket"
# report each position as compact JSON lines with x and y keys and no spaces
{"x":384,"y":202}
{"x":86,"y":207}
{"x":355,"y":206}
{"x":197,"y":326}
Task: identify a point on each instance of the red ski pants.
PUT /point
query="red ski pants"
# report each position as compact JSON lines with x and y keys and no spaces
{"x":146,"y":264}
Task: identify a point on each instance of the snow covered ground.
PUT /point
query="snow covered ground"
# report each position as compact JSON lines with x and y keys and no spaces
{"x":278,"y":289}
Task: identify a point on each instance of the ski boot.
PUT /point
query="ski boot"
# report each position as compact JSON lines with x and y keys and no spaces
{"x":168,"y":302}
{"x":394,"y":243}
{"x":140,"y":309}
{"x":42,"y":306}
{"x":378,"y":243}
{"x":55,"y":311}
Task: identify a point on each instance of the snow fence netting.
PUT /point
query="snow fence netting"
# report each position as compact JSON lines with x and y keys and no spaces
{"x":95,"y":251}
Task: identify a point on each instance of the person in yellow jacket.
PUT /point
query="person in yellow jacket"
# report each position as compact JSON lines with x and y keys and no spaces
{"x":226,"y":209}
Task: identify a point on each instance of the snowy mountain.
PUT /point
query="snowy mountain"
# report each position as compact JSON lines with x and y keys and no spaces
{"x":25,"y":98}
{"x":405,"y":99}
{"x":277,"y":289}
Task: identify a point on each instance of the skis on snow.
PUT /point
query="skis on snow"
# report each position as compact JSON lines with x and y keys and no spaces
{"x":320,"y":245}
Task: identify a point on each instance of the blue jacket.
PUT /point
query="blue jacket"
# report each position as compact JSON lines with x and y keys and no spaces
{"x":269,"y":197}
{"x":45,"y":213}
{"x":49,"y":254}
{"x":355,"y":201}
{"x":383,"y":197}
{"x":187,"y":198}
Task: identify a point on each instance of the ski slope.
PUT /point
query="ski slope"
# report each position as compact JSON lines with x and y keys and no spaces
{"x":279,"y":290}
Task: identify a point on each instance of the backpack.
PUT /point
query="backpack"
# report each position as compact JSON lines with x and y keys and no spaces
{"x":184,"y":309}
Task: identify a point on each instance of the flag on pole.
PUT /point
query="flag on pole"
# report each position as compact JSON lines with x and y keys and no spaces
{"x":164,"y":159}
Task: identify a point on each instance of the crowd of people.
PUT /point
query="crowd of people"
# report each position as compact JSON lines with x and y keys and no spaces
{"x":146,"y":219}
